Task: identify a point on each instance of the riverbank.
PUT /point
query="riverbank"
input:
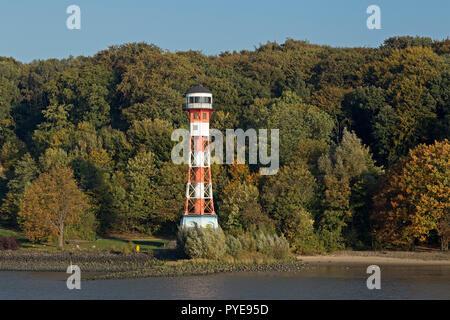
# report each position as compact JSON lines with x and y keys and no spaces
{"x":193,"y":268}
{"x":88,"y":261}
{"x":106,"y":265}
{"x":379,"y":257}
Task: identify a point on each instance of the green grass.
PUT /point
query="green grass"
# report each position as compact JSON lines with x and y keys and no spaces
{"x":10,"y":233}
{"x":146,"y":244}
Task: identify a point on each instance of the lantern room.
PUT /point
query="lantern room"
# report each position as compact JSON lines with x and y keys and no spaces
{"x":198,"y":97}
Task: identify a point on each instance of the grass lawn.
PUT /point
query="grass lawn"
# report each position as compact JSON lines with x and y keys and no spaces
{"x":10,"y":233}
{"x":145,"y":244}
{"x":117,"y":242}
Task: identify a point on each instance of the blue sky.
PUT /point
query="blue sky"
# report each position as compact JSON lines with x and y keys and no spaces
{"x":32,"y":29}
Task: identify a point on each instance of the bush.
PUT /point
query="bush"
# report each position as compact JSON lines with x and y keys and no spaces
{"x":248,"y":242}
{"x":310,"y":244}
{"x":213,"y":244}
{"x":9,"y":243}
{"x":270,"y":245}
{"x":200,"y":242}
{"x":84,"y":229}
{"x":332,"y":240}
{"x":280,"y":248}
{"x":128,"y":248}
{"x":234,"y":246}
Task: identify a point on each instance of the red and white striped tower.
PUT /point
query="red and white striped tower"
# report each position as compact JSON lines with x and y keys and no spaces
{"x":199,"y":206}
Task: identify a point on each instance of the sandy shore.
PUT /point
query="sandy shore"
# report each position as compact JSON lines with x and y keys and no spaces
{"x":382,"y":257}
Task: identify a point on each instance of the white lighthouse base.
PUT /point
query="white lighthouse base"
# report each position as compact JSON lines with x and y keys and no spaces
{"x":204,"y":221}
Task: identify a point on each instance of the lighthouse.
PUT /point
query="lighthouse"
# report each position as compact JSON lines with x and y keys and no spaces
{"x":199,"y":205}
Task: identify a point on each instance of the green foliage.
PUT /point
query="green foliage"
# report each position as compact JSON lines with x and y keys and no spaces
{"x":233,"y":246}
{"x":84,"y":92}
{"x":407,"y":41}
{"x":286,"y":195}
{"x":348,"y":177}
{"x":109,"y":118}
{"x":272,"y":245}
{"x":266,"y":243}
{"x":296,"y":122}
{"x":128,"y":248}
{"x":152,"y":136}
{"x":240,"y":208}
{"x":312,"y":244}
{"x":206,"y":243}
{"x":25,"y":172}
{"x":83,"y":229}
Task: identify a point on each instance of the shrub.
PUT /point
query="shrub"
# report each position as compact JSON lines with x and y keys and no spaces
{"x":234,"y":246}
{"x":270,"y":245}
{"x":200,"y":242}
{"x":359,"y":245}
{"x":83,"y":229}
{"x":248,"y":242}
{"x":310,"y":244}
{"x":213,"y":244}
{"x":280,"y":249}
{"x":332,"y":240}
{"x":128,"y":248}
{"x":9,"y":243}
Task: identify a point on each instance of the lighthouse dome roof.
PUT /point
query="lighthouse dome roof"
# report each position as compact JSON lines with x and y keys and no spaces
{"x":198,"y":89}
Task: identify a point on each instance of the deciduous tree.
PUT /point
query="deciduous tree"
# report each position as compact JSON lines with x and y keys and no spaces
{"x":50,"y":203}
{"x":414,"y":197}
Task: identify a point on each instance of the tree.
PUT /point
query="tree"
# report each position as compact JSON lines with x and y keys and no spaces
{"x":407,"y":41}
{"x":362,"y":106}
{"x":104,"y":115}
{"x":152,"y":136}
{"x":404,"y":74}
{"x":140,"y":200}
{"x":287,"y":195}
{"x":56,"y":131}
{"x":414,"y":197}
{"x":85,"y":92}
{"x":443,"y":229}
{"x":240,"y":209}
{"x":25,"y":172}
{"x":52,"y":202}
{"x":297,"y":121}
{"x":348,"y":174}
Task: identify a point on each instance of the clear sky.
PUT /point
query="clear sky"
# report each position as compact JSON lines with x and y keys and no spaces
{"x":36,"y":29}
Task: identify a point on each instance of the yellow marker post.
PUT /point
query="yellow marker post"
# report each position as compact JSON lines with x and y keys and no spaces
{"x":138,"y":248}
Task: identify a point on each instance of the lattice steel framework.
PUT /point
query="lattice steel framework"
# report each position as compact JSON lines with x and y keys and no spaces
{"x":199,"y":195}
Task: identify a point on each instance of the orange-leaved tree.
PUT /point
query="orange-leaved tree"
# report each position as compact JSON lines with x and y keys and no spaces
{"x":51,"y":202}
{"x":414,"y":198}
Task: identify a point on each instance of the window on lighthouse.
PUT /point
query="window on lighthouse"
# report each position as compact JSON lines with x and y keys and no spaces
{"x":204,"y":116}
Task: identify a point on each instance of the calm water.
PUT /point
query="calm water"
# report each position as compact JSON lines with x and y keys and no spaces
{"x":326,"y":282}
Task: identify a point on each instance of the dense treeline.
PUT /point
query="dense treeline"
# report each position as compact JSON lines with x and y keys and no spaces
{"x":354,"y":125}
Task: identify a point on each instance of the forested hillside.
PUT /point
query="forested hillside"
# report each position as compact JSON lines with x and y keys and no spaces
{"x":364,"y":153}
